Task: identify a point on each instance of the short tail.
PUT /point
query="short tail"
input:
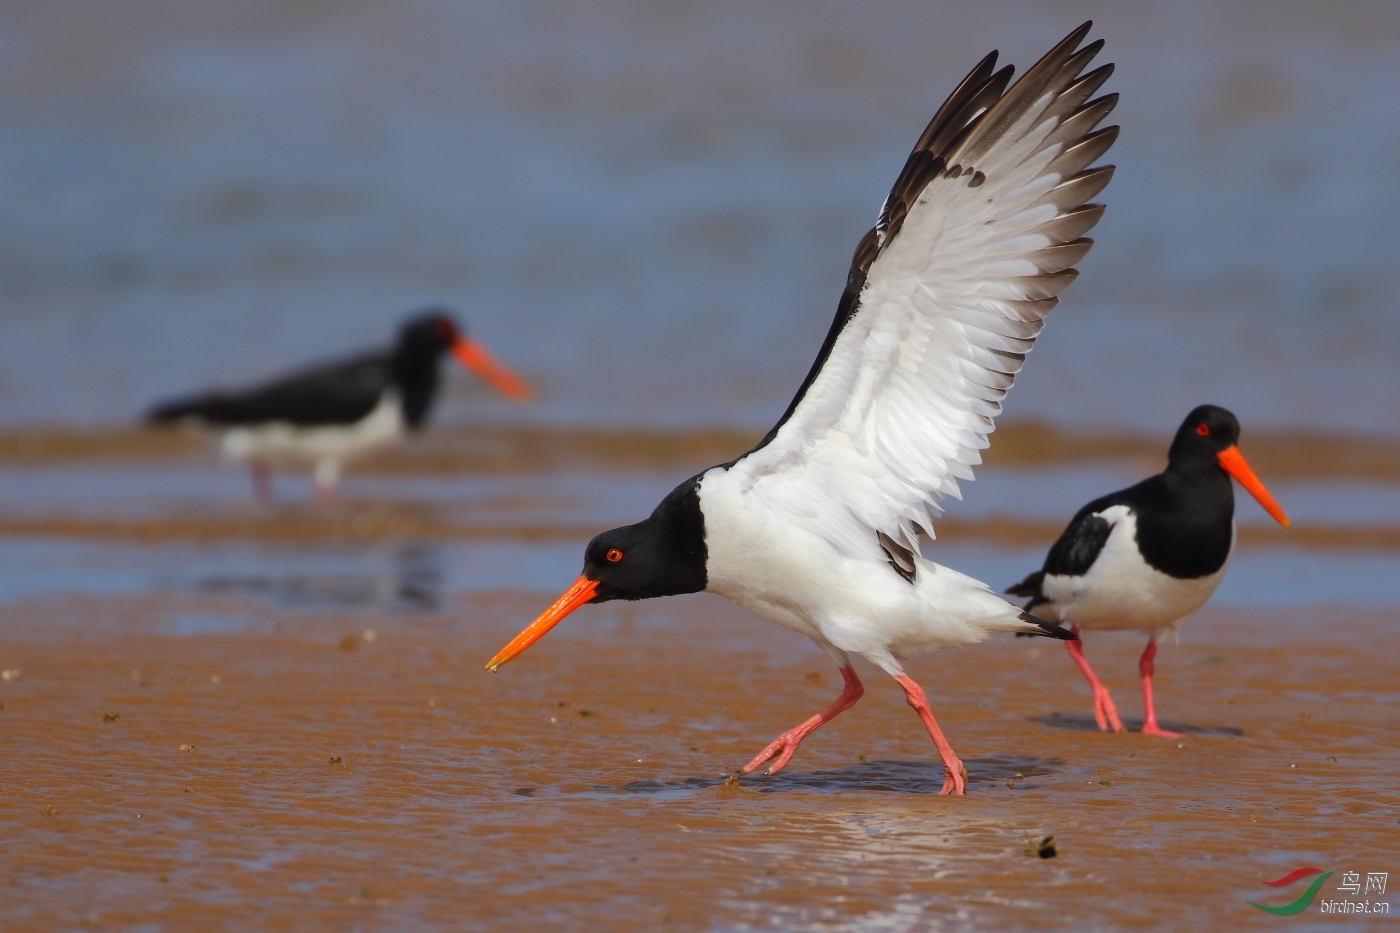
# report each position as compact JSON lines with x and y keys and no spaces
{"x":179,"y":409}
{"x":1046,"y":629}
{"x":1029,"y":587}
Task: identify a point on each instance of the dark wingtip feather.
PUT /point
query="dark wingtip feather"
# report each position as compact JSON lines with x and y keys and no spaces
{"x":1048,"y":629}
{"x":984,"y":104}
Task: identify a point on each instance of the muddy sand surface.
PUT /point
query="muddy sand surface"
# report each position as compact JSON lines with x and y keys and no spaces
{"x":270,"y":769}
{"x":511,"y":449}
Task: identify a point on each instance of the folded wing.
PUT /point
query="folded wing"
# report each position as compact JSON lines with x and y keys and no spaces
{"x":336,"y":393}
{"x":945,"y":297}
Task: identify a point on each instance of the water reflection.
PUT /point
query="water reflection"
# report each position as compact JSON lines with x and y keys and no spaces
{"x":890,"y":775}
{"x":411,"y":578}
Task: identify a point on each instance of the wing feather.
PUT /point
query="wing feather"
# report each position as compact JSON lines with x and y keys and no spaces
{"x":945,"y":297}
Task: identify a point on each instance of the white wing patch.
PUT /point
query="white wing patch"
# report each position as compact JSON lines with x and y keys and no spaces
{"x":951,"y":302}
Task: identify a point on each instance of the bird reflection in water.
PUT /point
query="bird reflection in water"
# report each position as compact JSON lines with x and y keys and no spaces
{"x":407,"y":576}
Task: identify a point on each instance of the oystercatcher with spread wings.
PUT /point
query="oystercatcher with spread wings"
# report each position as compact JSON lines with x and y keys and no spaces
{"x":329,"y":414}
{"x":817,"y":527}
{"x":1148,"y":556}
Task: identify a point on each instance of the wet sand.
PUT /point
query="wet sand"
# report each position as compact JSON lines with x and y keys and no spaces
{"x":291,"y":771}
{"x":498,"y":449}
{"x":379,"y":521}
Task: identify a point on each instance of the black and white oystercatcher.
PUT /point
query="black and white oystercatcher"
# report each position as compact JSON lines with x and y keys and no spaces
{"x":1148,"y":556}
{"x":327,"y":415}
{"x":817,"y":527}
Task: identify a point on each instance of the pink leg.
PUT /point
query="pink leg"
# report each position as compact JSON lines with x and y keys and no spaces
{"x":954,"y":774}
{"x":786,"y":744}
{"x":1105,"y":713}
{"x":262,"y":480}
{"x":1149,"y":712}
{"x":324,"y":479}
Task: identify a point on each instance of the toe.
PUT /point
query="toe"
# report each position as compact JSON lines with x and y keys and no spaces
{"x":782,"y":747}
{"x":759,"y":759}
{"x":1152,"y":729}
{"x":782,"y":760}
{"x":954,"y":780}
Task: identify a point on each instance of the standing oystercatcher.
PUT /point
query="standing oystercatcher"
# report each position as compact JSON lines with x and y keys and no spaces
{"x":817,"y":527}
{"x":1148,"y":556}
{"x":329,"y":414}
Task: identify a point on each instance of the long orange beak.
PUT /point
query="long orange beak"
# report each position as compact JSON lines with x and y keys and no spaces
{"x":470,"y":354}
{"x":1232,"y":462}
{"x":578,"y":594}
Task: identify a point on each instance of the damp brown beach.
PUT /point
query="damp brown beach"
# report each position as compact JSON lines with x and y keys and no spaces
{"x":272,"y":779}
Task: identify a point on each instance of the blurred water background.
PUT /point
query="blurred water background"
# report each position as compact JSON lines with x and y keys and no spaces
{"x":649,"y":207}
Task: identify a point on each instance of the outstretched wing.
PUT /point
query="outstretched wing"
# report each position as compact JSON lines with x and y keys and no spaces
{"x":944,"y":299}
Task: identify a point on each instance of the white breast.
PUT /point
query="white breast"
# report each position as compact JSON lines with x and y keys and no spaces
{"x":1121,"y":590}
{"x":282,"y":442}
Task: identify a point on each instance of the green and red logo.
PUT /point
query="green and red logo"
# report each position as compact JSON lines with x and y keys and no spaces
{"x":1304,"y":899}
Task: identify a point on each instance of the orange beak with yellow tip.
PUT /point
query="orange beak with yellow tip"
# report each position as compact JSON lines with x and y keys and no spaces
{"x":1232,"y":462}
{"x":578,"y":594}
{"x":471,"y":355}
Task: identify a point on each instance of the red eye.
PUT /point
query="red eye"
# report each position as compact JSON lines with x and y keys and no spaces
{"x":614,"y":555}
{"x":1202,"y":430}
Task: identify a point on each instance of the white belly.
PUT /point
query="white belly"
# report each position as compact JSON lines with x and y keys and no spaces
{"x":779,"y":566}
{"x":282,"y":442}
{"x":1121,"y":590}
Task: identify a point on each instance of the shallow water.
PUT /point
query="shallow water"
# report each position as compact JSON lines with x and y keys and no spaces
{"x":412,"y":541}
{"x":424,"y":576}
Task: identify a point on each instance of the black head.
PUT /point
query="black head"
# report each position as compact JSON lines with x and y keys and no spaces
{"x":662,"y":556}
{"x":428,"y":334}
{"x":1205,"y":433}
{"x":423,"y":339}
{"x":1208,"y":441}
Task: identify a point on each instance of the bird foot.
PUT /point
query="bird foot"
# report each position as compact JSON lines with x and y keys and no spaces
{"x":786,"y":744}
{"x":1105,"y":713}
{"x":1151,"y":728}
{"x":954,"y":780}
{"x":780,"y":750}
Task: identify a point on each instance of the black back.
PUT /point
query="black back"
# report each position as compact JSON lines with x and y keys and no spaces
{"x":1184,"y":514}
{"x":339,"y":392}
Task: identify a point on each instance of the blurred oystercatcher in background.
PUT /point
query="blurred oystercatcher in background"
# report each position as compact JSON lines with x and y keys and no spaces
{"x":817,"y":527}
{"x":1147,"y":556}
{"x":329,"y":414}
